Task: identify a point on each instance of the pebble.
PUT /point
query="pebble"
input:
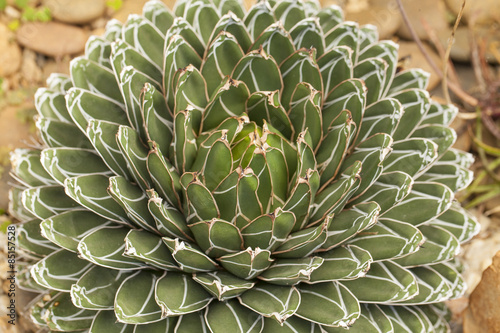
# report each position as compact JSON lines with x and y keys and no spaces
{"x":10,"y":54}
{"x":52,"y":39}
{"x":483,"y":314}
{"x":415,"y":59}
{"x":30,"y":71}
{"x":385,"y":18}
{"x":432,"y":11}
{"x":479,"y":11}
{"x":76,"y":11}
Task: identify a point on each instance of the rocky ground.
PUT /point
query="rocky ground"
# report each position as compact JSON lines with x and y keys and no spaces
{"x":38,"y":37}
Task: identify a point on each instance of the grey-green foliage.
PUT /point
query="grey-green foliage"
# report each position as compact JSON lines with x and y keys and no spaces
{"x":223,"y":170}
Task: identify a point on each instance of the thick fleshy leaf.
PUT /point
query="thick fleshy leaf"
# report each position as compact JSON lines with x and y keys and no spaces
{"x":440,"y":114}
{"x":95,"y":78}
{"x":299,"y":67}
{"x":407,"y":319}
{"x":191,"y":91}
{"x":105,"y":246}
{"x":169,"y":221}
{"x":342,"y":34}
{"x":103,"y":137}
{"x":96,"y":288}
{"x":158,"y":122}
{"x":258,"y":18}
{"x":425,"y":202}
{"x":278,"y":302}
{"x":105,"y":321}
{"x":178,"y":294}
{"x":328,"y":303}
{"x":350,"y":222}
{"x":389,"y":189}
{"x":288,"y":272}
{"x":389,"y":239}
{"x":276,"y":42}
{"x":47,"y":201}
{"x":443,"y":136}
{"x":266,"y":107}
{"x":189,"y":258}
{"x":135,"y":154}
{"x":145,"y":38}
{"x":148,"y":247}
{"x":432,"y":287}
{"x":384,"y":282}
{"x":133,"y":201}
{"x":158,"y":14}
{"x":247,"y":264}
{"x":30,"y":239}
{"x":307,"y":33}
{"x":414,"y":78}
{"x":373,"y":71}
{"x":412,"y":156}
{"x":371,"y":320}
{"x":164,"y":176}
{"x":27,"y":168}
{"x":217,"y":237}
{"x":223,"y":285}
{"x":55,"y":133}
{"x":90,"y":191}
{"x":415,"y":103}
{"x":233,"y":25}
{"x":135,"y":299}
{"x":455,"y":177}
{"x":51,"y":104}
{"x":342,"y":263}
{"x":440,"y":245}
{"x":335,"y":67}
{"x":381,"y":117}
{"x":64,"y":163}
{"x":459,"y":222}
{"x":230,"y":316}
{"x":62,"y":315}
{"x":291,"y":325}
{"x":59,"y":270}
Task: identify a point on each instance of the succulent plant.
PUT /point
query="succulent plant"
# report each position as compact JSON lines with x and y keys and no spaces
{"x":213,"y":169}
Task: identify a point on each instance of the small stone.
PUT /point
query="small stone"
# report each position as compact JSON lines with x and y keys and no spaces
{"x":29,"y":68}
{"x":76,"y":11}
{"x":10,"y":54}
{"x":53,"y":39}
{"x":431,"y":11}
{"x":413,"y":58}
{"x":483,"y":314}
{"x":479,"y":11}
{"x":385,"y":18}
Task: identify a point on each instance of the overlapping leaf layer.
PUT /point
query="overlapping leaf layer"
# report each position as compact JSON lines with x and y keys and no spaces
{"x":223,"y":170}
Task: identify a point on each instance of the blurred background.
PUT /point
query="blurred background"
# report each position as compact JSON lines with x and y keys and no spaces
{"x":38,"y":37}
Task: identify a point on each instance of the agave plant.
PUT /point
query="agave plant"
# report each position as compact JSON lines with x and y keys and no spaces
{"x":213,"y":169}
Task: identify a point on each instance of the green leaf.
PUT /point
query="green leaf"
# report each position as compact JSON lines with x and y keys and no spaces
{"x":157,"y":120}
{"x":169,"y":221}
{"x":439,"y":246}
{"x":223,"y":285}
{"x":276,"y":42}
{"x":31,"y":240}
{"x":177,"y":294}
{"x":230,"y":316}
{"x":307,"y":33}
{"x":183,"y":148}
{"x":96,"y":78}
{"x":104,"y":247}
{"x":413,"y":78}
{"x":193,"y":322}
{"x":328,"y":303}
{"x":67,"y":229}
{"x":371,"y":320}
{"x":90,"y":191}
{"x":247,"y":264}
{"x":149,"y":248}
{"x":133,"y":201}
{"x":278,"y":302}
{"x":62,"y":315}
{"x":458,"y":222}
{"x":164,"y":176}
{"x":103,"y":137}
{"x":54,"y":133}
{"x":158,"y":14}
{"x":62,"y":163}
{"x":289,"y":12}
{"x":425,"y":202}
{"x":415,"y":103}
{"x":329,"y":17}
{"x":217,"y":237}
{"x":97,"y":287}
{"x":47,"y":201}
{"x":52,"y":104}
{"x":27,"y":168}
{"x":135,"y":299}
{"x":258,"y":18}
{"x":287,"y":272}
{"x":380,"y":117}
{"x":105,"y":321}
{"x":348,"y":262}
{"x":189,"y":258}
{"x":389,"y":239}
{"x":384,"y":282}
{"x":407,"y":319}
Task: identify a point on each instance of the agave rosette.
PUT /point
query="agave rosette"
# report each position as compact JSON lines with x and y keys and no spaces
{"x":223,"y":170}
